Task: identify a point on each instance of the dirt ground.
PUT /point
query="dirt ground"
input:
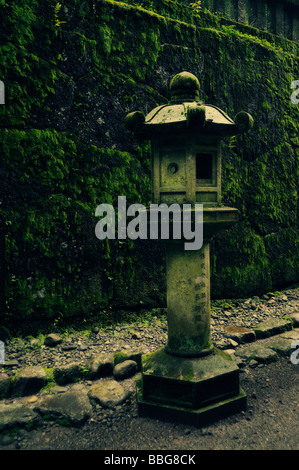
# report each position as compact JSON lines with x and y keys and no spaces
{"x":270,"y":422}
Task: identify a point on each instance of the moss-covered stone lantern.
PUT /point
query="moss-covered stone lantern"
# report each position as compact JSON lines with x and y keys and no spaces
{"x":189,"y":379}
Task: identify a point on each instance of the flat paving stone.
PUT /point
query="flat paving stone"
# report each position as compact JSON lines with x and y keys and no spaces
{"x":257,"y":352}
{"x":74,"y":407}
{"x":239,"y":334}
{"x":272,"y":327}
{"x":282,"y":346}
{"x":293,"y":334}
{"x":16,"y":414}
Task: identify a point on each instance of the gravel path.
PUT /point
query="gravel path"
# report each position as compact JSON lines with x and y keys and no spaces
{"x":78,"y":346}
{"x":270,"y":421}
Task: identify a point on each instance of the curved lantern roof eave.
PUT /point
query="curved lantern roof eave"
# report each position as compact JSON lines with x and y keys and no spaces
{"x":186,"y":112}
{"x":204,"y":119}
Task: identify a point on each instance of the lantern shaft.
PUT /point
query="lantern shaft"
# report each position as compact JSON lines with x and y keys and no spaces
{"x":188,"y":300}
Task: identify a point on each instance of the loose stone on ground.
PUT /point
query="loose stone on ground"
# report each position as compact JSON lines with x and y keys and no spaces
{"x":29,"y":381}
{"x":108,"y":393}
{"x":74,"y":407}
{"x":125,"y":369}
{"x":16,"y":414}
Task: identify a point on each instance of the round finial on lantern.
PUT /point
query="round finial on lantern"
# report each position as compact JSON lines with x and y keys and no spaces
{"x":184,"y":87}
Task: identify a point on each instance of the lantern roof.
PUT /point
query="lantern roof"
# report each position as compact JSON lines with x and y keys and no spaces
{"x":186,"y":111}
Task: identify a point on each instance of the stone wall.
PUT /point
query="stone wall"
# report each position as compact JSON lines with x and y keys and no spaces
{"x":277,"y":17}
{"x":71,"y":75}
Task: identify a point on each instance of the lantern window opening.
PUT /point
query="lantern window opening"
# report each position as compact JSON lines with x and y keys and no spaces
{"x":205,"y":173}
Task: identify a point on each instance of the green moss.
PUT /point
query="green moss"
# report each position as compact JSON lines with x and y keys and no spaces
{"x":55,"y":176}
{"x":119,"y":357}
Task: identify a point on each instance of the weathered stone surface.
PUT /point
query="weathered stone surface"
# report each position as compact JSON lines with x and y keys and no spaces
{"x":52,"y":340}
{"x":74,"y":407}
{"x":99,"y":365}
{"x":108,"y":393}
{"x":125,"y":369}
{"x":257,"y":352}
{"x":16,"y":414}
{"x":292,"y":334}
{"x":272,"y":327}
{"x":239,"y":334}
{"x":282,"y":346}
{"x":4,"y":385}
{"x":29,"y":381}
{"x":67,"y":373}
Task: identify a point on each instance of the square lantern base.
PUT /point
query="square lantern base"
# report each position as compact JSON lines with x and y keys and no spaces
{"x":194,"y":391}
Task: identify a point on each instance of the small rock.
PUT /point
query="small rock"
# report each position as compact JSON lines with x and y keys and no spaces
{"x":68,"y":347}
{"x":131,"y":354}
{"x":59,"y":389}
{"x":32,"y":399}
{"x":52,"y":340}
{"x":125,"y":369}
{"x":67,"y":373}
{"x":99,"y":365}
{"x":108,"y":393}
{"x":222,"y":344}
{"x":233,"y":343}
{"x":29,"y":381}
{"x":231,"y":352}
{"x":136,"y":335}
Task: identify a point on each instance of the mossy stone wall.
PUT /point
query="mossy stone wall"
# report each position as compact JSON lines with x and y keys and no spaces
{"x":71,"y":75}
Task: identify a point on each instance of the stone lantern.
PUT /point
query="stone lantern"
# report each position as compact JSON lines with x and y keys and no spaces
{"x":189,"y":380}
